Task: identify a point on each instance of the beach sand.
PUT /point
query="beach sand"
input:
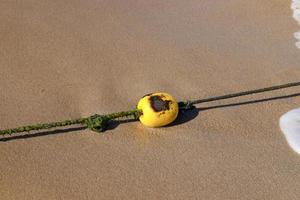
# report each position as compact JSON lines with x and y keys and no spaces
{"x":65,"y":59}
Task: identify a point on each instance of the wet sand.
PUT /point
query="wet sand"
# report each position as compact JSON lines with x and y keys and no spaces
{"x":66,"y":59}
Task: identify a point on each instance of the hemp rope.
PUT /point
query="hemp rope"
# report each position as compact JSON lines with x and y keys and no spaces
{"x":98,"y":123}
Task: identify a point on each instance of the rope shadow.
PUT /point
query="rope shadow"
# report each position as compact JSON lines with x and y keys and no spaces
{"x":191,"y":114}
{"x":183,"y":117}
{"x":112,"y":125}
{"x":249,"y":102}
{"x":39,"y":134}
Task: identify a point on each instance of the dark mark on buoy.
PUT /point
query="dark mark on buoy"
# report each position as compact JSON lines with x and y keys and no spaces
{"x":158,"y":104}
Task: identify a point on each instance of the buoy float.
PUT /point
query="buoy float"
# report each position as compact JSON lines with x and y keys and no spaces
{"x":158,"y":109}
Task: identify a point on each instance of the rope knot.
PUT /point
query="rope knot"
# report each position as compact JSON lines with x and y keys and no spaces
{"x":188,"y":105}
{"x":97,"y":123}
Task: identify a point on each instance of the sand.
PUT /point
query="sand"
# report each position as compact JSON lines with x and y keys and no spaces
{"x":64,"y":59}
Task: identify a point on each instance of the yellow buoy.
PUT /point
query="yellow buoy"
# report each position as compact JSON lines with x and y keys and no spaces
{"x":159,"y":109}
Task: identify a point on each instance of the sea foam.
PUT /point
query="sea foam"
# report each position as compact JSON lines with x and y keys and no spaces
{"x":296,"y":14}
{"x":290,"y":126}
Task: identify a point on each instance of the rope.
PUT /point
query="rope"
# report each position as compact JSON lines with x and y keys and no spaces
{"x":99,"y":123}
{"x":95,"y":122}
{"x":190,"y":104}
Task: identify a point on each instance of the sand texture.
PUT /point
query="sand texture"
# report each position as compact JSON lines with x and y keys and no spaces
{"x":62,"y":59}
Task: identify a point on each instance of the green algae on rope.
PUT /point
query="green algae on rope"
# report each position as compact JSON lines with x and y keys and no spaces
{"x":97,"y":123}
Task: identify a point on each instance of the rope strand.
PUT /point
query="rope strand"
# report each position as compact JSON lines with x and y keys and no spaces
{"x":190,"y":104}
{"x":95,"y":122}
